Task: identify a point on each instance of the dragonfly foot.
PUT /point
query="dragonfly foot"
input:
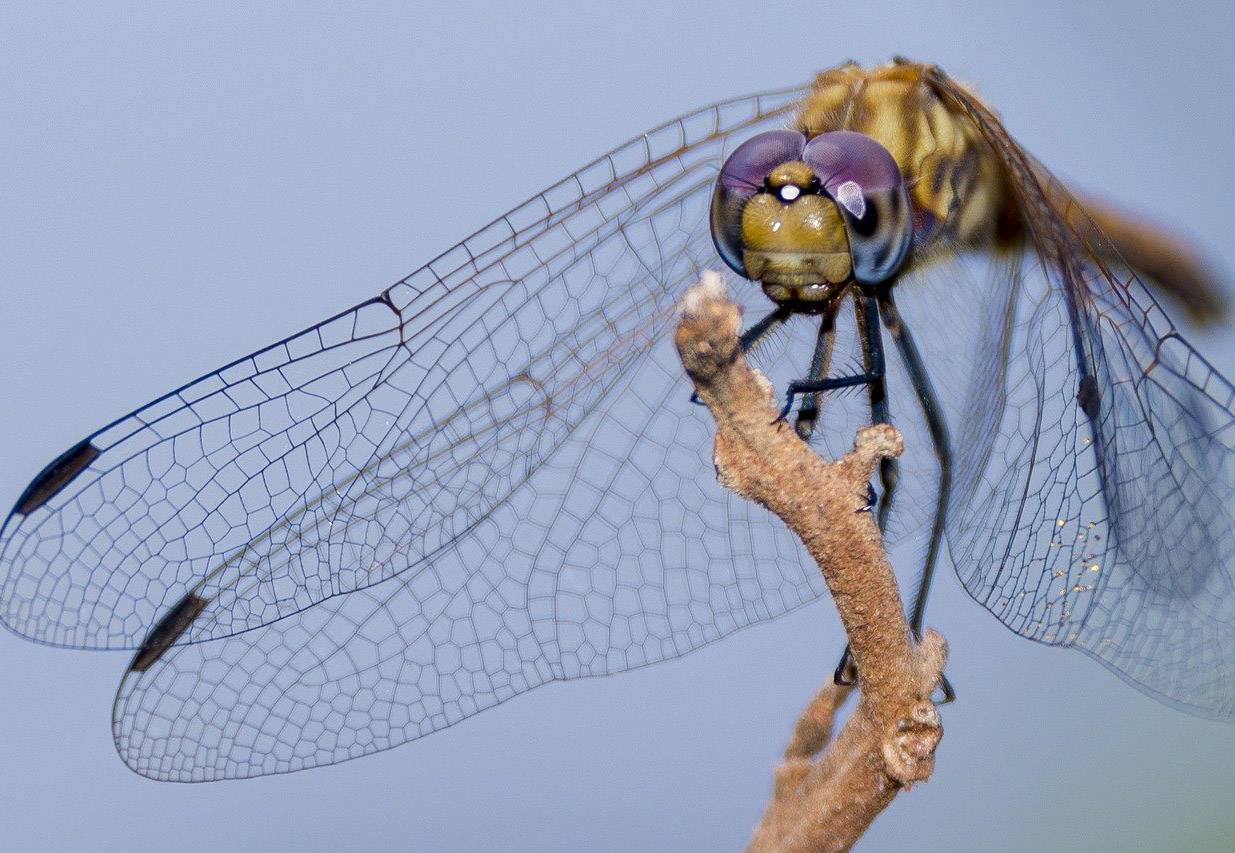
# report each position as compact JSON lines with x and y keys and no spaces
{"x":846,"y":675}
{"x":944,"y":691}
{"x":785,"y":409}
{"x":871,"y":500}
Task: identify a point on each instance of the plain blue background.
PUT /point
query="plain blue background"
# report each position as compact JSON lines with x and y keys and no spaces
{"x":178,"y":188}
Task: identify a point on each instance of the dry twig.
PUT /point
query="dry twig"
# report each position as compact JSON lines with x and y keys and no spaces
{"x":827,"y":790}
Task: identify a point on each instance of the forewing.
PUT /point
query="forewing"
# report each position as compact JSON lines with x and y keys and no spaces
{"x":499,"y":483}
{"x":1101,"y":516}
{"x":366,"y":445}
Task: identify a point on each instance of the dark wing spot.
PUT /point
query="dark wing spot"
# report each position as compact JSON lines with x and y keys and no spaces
{"x":56,"y":476}
{"x":1088,"y":397}
{"x":167,"y":631}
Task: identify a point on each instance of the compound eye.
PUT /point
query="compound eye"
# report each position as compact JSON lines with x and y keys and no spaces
{"x":866,"y":184}
{"x":744,"y":174}
{"x":747,"y":169}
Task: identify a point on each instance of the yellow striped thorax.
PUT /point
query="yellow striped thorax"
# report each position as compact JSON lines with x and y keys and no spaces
{"x":954,"y":179}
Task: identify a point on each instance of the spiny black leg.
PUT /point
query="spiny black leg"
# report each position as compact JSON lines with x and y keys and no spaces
{"x":870,"y":311}
{"x":806,"y":386}
{"x":867,"y":309}
{"x":753,"y":336}
{"x":939,"y":438}
{"x":872,"y":352}
{"x":819,"y":363}
{"x":938,"y":429}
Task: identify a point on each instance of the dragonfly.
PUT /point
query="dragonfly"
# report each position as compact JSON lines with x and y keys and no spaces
{"x":491,"y":475}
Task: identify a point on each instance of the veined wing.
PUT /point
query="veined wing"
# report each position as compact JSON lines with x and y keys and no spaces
{"x":488,"y":478}
{"x":369,"y":445}
{"x":1100,"y":513}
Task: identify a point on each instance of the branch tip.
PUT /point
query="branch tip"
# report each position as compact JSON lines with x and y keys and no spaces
{"x":831,"y":785}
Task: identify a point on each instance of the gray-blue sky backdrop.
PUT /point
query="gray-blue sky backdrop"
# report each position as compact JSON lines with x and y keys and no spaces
{"x":182,"y":186}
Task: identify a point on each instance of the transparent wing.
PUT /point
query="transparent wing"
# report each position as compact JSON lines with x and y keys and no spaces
{"x":621,"y":550}
{"x":366,"y":446}
{"x":1097,"y":506}
{"x":487,"y":478}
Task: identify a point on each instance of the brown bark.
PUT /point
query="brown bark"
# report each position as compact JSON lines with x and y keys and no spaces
{"x":827,"y":789}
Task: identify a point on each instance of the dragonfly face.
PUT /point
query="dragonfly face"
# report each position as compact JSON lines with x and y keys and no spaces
{"x":807,"y":216}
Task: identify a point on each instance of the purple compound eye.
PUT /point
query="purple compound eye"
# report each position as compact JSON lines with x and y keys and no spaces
{"x":743,"y":175}
{"x":751,"y":162}
{"x":843,"y":156}
{"x":866,"y":184}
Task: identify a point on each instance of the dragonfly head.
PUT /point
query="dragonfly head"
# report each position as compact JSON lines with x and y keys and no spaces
{"x":807,"y":216}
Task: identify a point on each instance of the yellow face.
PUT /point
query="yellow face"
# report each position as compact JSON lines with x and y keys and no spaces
{"x":793,"y":237}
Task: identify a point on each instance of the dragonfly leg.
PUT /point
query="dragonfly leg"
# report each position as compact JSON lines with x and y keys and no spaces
{"x":867,"y":310}
{"x":753,"y":336}
{"x":808,"y":414}
{"x":870,"y":311}
{"x":832,"y":383}
{"x":846,"y":674}
{"x":938,"y":429}
{"x":873,"y":369}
